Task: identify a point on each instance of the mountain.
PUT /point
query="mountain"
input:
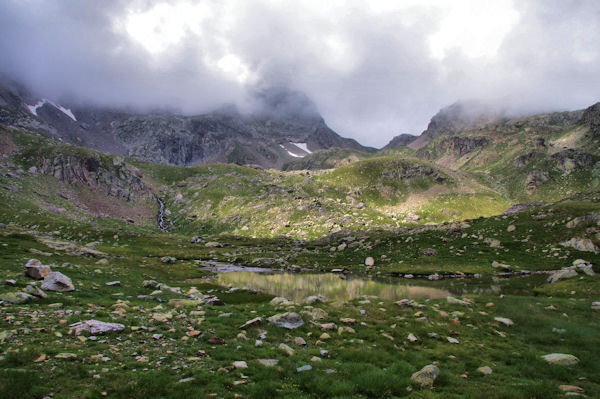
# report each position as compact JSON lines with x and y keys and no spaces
{"x":460,"y":116}
{"x":399,"y":141}
{"x":284,"y":126}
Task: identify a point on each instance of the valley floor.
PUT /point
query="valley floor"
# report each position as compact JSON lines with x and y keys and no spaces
{"x":183,"y":334}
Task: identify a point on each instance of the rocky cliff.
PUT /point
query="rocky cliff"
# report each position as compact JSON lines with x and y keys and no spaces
{"x":285,"y":125}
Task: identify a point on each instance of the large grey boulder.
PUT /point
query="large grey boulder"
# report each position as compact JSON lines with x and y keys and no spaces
{"x":56,"y":281}
{"x":95,"y":327}
{"x":289,"y":320}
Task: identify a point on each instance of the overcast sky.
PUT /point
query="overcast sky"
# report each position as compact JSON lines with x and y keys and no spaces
{"x":375,"y":69}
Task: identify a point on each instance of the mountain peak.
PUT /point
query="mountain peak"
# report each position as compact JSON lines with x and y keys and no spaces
{"x":461,"y":116}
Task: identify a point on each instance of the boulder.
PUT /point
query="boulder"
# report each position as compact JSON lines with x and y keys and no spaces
{"x":16,"y":298}
{"x":280,"y":301}
{"x":561,"y":275}
{"x":426,"y":376}
{"x":561,"y":359}
{"x":289,"y":320}
{"x":95,"y":327}
{"x":36,"y":270}
{"x":581,"y":244}
{"x":56,"y":281}
{"x":315,"y":299}
{"x":35,"y":291}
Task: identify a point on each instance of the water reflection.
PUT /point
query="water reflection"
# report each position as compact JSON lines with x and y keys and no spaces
{"x":296,"y":286}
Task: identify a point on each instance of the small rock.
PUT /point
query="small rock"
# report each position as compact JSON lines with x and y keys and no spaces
{"x":289,"y":351}
{"x":306,"y":367}
{"x":511,"y":228}
{"x":299,"y":341}
{"x":452,"y":340}
{"x":268,"y":362}
{"x":412,"y":338}
{"x":10,"y":282}
{"x":168,"y":259}
{"x":455,"y":301}
{"x":369,"y":261}
{"x":570,"y":388}
{"x":252,"y":323}
{"x":113,"y":283}
{"x":504,"y":320}
{"x":240,"y":365}
{"x":280,"y":301}
{"x":486,"y":370}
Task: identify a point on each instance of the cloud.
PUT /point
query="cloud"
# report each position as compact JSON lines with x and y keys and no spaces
{"x":374,"y":68}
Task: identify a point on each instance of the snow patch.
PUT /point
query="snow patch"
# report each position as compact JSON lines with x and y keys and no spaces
{"x":33,"y":108}
{"x":303,"y":147}
{"x":291,"y":153}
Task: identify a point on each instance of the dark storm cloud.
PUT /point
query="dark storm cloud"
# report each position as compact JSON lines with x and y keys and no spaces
{"x":372,"y":72}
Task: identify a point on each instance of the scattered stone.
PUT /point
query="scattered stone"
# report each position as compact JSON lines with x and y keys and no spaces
{"x":492,"y":242}
{"x":504,"y":320}
{"x":346,"y":329}
{"x":570,"y":388}
{"x":66,"y":355}
{"x":511,"y":228}
{"x":306,"y":367}
{"x":240,"y":365}
{"x":452,"y":340}
{"x":562,"y":359}
{"x":412,"y":338}
{"x":596,"y":305}
{"x":497,"y":265}
{"x":35,"y":269}
{"x":289,"y":320}
{"x":486,"y":370}
{"x":56,"y":281}
{"x":281,"y":301}
{"x":428,"y":252}
{"x":299,"y":341}
{"x":216,"y":341}
{"x":252,"y":323}
{"x":289,"y":351}
{"x":168,"y":259}
{"x":315,"y":299}
{"x":268,"y":362}
{"x":426,"y":376}
{"x":95,"y":327}
{"x":347,"y":320}
{"x":369,"y":261}
{"x":455,"y":301}
{"x":113,"y":283}
{"x":10,"y":282}
{"x":328,"y":326}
